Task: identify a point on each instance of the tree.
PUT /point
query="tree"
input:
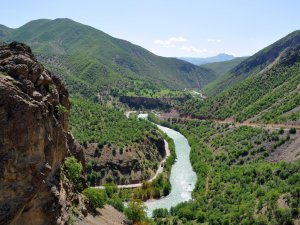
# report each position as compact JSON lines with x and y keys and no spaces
{"x":97,"y":198}
{"x":73,"y":170}
{"x":293,"y":130}
{"x":110,"y":189}
{"x":284,"y":216}
{"x":135,"y":211}
{"x":160,"y":213}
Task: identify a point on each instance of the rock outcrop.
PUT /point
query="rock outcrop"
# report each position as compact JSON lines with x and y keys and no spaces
{"x":34,"y":141}
{"x":130,"y":164}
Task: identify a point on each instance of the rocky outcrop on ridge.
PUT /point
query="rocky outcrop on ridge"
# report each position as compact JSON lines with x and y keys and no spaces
{"x":34,"y":141}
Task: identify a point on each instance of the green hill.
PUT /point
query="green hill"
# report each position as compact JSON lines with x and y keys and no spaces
{"x":222,"y":70}
{"x":269,"y":95}
{"x":259,"y":62}
{"x":90,"y":60}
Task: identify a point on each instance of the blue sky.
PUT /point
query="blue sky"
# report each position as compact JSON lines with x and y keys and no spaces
{"x":195,"y":28}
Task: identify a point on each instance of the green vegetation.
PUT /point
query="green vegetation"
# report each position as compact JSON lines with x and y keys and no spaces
{"x":61,"y":109}
{"x":105,"y":131}
{"x":236,"y":185}
{"x":135,"y":211}
{"x":271,"y":96}
{"x":97,"y":198}
{"x":220,"y":68}
{"x":161,"y":186}
{"x":73,"y":170}
{"x":256,"y":63}
{"x":102,"y":124}
{"x":91,"y":61}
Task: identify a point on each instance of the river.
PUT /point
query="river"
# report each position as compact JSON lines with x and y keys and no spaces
{"x":183,"y":178}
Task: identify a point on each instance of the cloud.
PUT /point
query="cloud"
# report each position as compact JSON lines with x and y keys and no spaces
{"x":214,"y":40}
{"x":193,"y":49}
{"x":170,"y":42}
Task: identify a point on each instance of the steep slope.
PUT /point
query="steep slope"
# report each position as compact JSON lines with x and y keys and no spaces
{"x":258,"y":63}
{"x":34,"y":142}
{"x":222,"y":70}
{"x":271,"y":95}
{"x":91,"y":60}
{"x":117,"y":149}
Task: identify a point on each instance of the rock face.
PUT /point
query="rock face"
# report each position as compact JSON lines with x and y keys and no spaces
{"x":33,"y":140}
{"x":127,"y":165}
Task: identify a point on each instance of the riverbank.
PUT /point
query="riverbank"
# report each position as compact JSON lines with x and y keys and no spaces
{"x":182,"y":177}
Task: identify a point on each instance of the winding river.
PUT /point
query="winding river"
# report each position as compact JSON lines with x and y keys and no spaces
{"x":183,"y":178}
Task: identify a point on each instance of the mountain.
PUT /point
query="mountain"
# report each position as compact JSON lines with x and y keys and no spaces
{"x":258,"y":63}
{"x":266,"y":87}
{"x":200,"y":61}
{"x":91,"y":61}
{"x":223,"y":67}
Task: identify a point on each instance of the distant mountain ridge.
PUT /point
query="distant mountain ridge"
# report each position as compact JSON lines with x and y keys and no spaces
{"x":90,"y":60}
{"x":200,"y":61}
{"x":264,"y":87}
{"x":223,"y":67}
{"x":259,"y":62}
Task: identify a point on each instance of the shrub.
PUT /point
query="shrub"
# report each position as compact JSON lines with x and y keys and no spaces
{"x":117,"y":203}
{"x":293,"y":130}
{"x":283,"y":216}
{"x":110,"y":189}
{"x":160,"y":213}
{"x":61,"y":109}
{"x":201,"y":217}
{"x":135,"y":211}
{"x":97,"y":198}
{"x":73,"y":170}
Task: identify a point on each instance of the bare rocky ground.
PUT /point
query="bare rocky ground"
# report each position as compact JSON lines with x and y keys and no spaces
{"x":105,"y":216}
{"x":288,"y":152}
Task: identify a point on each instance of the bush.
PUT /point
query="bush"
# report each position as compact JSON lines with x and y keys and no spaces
{"x":97,"y":198}
{"x":135,"y":211}
{"x":293,"y":131}
{"x":73,"y":170}
{"x":284,"y":216}
{"x":110,"y":189}
{"x":201,"y":217}
{"x":160,"y":213}
{"x":117,"y":203}
{"x":60,"y":109}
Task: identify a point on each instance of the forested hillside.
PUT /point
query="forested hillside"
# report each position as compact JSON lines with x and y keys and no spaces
{"x":91,"y":61}
{"x":117,"y":149}
{"x":270,"y":96}
{"x":236,"y":182}
{"x":258,"y":63}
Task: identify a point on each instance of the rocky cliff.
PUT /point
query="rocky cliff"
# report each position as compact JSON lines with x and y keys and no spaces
{"x":34,"y":141}
{"x":130,"y":164}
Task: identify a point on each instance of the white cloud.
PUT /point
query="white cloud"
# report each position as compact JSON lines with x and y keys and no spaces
{"x":214,"y":40}
{"x":193,"y":49}
{"x":170,"y":42}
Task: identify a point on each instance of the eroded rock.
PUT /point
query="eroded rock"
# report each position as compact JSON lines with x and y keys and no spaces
{"x":33,"y":141}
